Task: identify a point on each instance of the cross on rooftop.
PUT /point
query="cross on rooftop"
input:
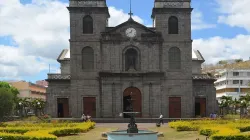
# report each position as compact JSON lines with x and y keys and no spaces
{"x":130,"y":13}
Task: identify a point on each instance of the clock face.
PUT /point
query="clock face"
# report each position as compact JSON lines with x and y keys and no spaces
{"x":131,"y":32}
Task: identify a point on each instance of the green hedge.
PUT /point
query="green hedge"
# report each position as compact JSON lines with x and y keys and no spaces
{"x":8,"y":136}
{"x":187,"y":128}
{"x":14,"y":130}
{"x":244,"y":128}
{"x":231,"y":137}
{"x":66,"y":131}
{"x":207,"y":132}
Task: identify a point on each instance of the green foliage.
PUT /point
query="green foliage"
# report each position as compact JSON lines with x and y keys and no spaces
{"x":9,"y":136}
{"x":7,"y":86}
{"x":66,"y":131}
{"x":42,"y":131}
{"x":6,"y":102}
{"x":14,"y":130}
{"x":238,"y":60}
{"x":231,"y":137}
{"x":207,"y":131}
{"x":222,"y":62}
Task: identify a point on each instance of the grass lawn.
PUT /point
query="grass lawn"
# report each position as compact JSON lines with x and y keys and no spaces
{"x":169,"y":134}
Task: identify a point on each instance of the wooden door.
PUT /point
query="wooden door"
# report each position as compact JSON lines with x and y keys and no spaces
{"x":63,"y":107}
{"x":203,"y":107}
{"x":200,"y":107}
{"x":89,"y":106}
{"x":135,"y":94}
{"x":174,"y":107}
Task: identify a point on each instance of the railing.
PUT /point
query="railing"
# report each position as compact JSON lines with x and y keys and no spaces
{"x":58,"y":77}
{"x":202,"y":76}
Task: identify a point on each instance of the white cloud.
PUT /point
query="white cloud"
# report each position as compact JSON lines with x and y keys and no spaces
{"x":40,"y":30}
{"x":198,"y":22}
{"x":235,"y":13}
{"x":218,"y":48}
{"x":118,"y":16}
{"x":14,"y":63}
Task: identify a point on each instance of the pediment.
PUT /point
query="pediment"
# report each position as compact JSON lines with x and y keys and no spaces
{"x":142,"y":32}
{"x":131,"y":23}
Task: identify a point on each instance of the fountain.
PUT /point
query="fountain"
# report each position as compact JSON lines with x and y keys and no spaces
{"x":132,"y":133}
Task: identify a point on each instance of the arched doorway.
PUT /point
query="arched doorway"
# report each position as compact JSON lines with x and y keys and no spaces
{"x":137,"y":100}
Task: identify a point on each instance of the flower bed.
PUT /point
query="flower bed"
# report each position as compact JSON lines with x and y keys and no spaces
{"x":216,"y":129}
{"x":42,"y":131}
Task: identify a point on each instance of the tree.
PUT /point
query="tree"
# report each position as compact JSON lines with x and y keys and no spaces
{"x":7,"y":86}
{"x":222,"y":62}
{"x":244,"y":101}
{"x":6,"y":102}
{"x":227,"y":102}
{"x":236,"y":105}
{"x":38,"y":105}
{"x":238,"y":60}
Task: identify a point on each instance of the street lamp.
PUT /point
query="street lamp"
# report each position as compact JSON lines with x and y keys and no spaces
{"x":21,"y":111}
{"x":241,"y":108}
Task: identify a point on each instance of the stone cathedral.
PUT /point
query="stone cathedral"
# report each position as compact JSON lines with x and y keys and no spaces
{"x":105,"y":66}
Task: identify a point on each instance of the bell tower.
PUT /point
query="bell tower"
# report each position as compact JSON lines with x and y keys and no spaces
{"x":87,"y":18}
{"x":173,"y":17}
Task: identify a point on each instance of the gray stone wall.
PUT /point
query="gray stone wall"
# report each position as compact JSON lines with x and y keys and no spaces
{"x":65,"y":67}
{"x":196,"y":67}
{"x":206,"y":89}
{"x":57,"y":89}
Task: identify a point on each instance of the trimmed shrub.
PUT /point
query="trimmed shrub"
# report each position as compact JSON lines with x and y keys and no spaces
{"x":208,"y":131}
{"x":43,"y":131}
{"x":8,"y":136}
{"x":230,"y":137}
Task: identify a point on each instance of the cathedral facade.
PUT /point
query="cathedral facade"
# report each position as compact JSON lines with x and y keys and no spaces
{"x":107,"y":66}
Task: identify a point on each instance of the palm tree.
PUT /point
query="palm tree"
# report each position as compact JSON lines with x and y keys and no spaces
{"x":227,"y":102}
{"x":236,"y":105}
{"x":38,"y":105}
{"x":244,"y":102}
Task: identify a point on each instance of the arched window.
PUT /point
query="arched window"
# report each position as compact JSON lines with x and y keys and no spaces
{"x":173,"y":25}
{"x":87,"y":25}
{"x":131,"y":59}
{"x":87,"y":58}
{"x":174,"y":58}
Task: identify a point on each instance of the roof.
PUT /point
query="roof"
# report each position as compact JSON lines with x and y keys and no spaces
{"x":129,"y":21}
{"x":65,"y":55}
{"x":196,"y":55}
{"x":202,"y":77}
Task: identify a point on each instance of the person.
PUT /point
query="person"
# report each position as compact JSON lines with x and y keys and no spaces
{"x":121,"y":115}
{"x":211,"y":115}
{"x":161,"y":119}
{"x":88,"y":118}
{"x":214,"y":115}
{"x":83,"y":118}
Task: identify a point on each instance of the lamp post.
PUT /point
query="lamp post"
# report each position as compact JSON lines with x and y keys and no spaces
{"x":38,"y":107}
{"x":220,"y":106}
{"x":241,"y":108}
{"x":21,"y":111}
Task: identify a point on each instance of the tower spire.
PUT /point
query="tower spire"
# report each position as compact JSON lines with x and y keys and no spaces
{"x":130,"y":12}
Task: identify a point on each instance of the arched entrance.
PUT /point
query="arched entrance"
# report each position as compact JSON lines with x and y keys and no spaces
{"x":137,"y":103}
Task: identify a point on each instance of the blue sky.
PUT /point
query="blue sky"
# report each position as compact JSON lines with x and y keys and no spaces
{"x":33,"y":32}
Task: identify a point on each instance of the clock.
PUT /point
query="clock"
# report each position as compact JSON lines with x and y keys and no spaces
{"x":131,"y":32}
